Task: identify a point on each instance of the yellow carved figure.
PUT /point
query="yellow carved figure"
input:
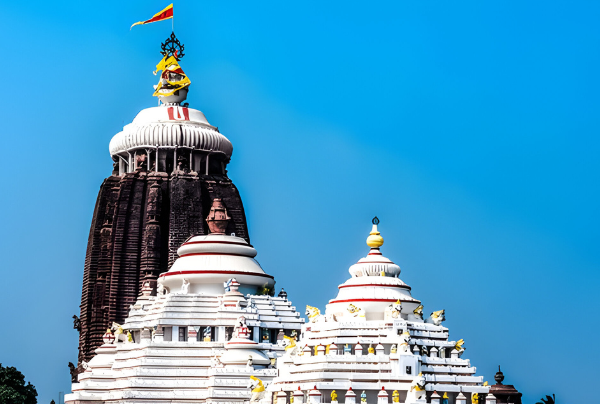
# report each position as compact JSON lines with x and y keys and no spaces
{"x":333,"y":396}
{"x":459,"y":345}
{"x":445,"y":395}
{"x":474,"y":398}
{"x":418,"y":312}
{"x":327,"y":350}
{"x":485,"y":383}
{"x":129,"y":337}
{"x":395,"y":396}
{"x":316,"y":350}
{"x":313,"y":313}
{"x":371,"y":349}
{"x":259,"y":385}
{"x":417,"y":387}
{"x":291,"y":342}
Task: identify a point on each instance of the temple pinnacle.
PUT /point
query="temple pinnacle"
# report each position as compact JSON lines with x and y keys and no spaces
{"x":375,"y":240}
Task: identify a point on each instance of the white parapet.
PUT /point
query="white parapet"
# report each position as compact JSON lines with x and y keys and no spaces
{"x":461,"y":399}
{"x":435,"y":398}
{"x":490,"y":399}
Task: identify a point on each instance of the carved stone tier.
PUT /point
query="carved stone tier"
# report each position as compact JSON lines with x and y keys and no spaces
{"x":139,"y":222}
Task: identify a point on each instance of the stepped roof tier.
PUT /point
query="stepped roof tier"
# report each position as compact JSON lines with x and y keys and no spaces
{"x":373,"y":339}
{"x":374,"y":285}
{"x":195,"y":337}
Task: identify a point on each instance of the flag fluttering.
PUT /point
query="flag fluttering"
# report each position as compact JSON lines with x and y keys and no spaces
{"x":160,"y":16}
{"x":172,"y":78}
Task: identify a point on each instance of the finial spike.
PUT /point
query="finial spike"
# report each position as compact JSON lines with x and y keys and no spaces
{"x":375,"y":240}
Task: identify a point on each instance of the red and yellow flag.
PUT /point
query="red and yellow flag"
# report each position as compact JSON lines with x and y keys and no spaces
{"x":160,"y":16}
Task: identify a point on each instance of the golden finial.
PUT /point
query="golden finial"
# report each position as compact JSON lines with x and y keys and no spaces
{"x":375,"y":240}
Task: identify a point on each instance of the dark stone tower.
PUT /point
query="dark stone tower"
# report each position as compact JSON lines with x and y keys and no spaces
{"x":170,"y":164}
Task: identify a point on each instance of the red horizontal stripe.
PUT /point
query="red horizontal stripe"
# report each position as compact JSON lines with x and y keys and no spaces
{"x":214,"y":253}
{"x":371,"y":300}
{"x":214,"y":272}
{"x":217,"y":242}
{"x":381,"y":286}
{"x":376,"y":262}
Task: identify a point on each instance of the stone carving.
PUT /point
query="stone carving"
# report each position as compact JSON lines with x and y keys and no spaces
{"x":394,"y":349}
{"x":73,"y":371}
{"x":218,"y":219}
{"x":459,"y":348}
{"x":436,"y":317}
{"x":241,"y":329}
{"x":314,"y":315}
{"x":118,"y":332}
{"x":227,"y":285}
{"x":474,"y":398}
{"x":85,"y":365}
{"x":363,"y":397}
{"x":76,"y":323}
{"x":185,"y":286}
{"x":395,"y":396}
{"x":257,"y":388}
{"x":392,"y":312}
{"x":404,"y":346}
{"x":290,"y":345}
{"x":418,"y":312}
{"x":417,"y":390}
{"x":160,"y":289}
{"x":333,"y":396}
{"x":356,"y":312}
{"x":141,"y":162}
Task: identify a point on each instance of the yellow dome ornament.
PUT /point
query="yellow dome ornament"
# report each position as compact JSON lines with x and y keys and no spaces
{"x":375,"y":240}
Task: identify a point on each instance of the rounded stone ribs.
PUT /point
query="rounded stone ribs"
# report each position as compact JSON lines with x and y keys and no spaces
{"x":139,"y":222}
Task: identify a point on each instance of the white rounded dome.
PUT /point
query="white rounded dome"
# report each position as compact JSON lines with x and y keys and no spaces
{"x":170,"y":126}
{"x":208,"y":261}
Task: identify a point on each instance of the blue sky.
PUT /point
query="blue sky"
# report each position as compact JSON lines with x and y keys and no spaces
{"x":470,"y":128}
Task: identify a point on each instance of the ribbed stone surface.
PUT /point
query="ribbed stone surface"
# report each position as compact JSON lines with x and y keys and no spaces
{"x":136,"y":231}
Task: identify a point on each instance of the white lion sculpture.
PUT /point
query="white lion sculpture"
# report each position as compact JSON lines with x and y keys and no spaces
{"x":258,"y":389}
{"x":417,"y":390}
{"x":314,"y":315}
{"x":437,"y":317}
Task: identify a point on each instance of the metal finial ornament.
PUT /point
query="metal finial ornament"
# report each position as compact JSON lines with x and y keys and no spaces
{"x":499,"y":376}
{"x":172,"y":47}
{"x":375,"y":220}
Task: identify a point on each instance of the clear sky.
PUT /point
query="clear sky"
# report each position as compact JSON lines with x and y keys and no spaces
{"x":469,"y":127}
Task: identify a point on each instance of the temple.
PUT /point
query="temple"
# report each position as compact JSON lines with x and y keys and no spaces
{"x":176,"y":308}
{"x":170,"y":165}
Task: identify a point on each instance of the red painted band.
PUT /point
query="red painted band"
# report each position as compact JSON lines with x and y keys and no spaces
{"x":215,"y":253}
{"x":380,"y":286}
{"x":217,"y":242}
{"x":214,"y":272}
{"x":372,"y":300}
{"x":376,"y":262}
